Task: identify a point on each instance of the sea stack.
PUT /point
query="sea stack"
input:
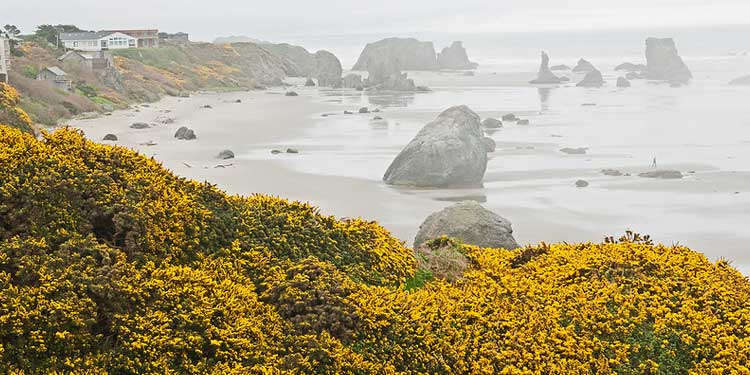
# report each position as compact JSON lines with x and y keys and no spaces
{"x":664,"y":63}
{"x":545,"y":75}
{"x":584,"y":66}
{"x":386,"y":75}
{"x":448,"y":152}
{"x":455,"y":57}
{"x":592,"y":79}
{"x":328,"y":69}
{"x":406,"y":53}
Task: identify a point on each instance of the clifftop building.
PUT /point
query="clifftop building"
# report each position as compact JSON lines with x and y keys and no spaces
{"x":4,"y":57}
{"x":90,"y":41}
{"x":147,"y":38}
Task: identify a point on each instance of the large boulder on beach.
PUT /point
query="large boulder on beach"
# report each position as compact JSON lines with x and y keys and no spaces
{"x":110,"y":137}
{"x":447,"y":152}
{"x":328,"y":69}
{"x":741,"y":81}
{"x":455,"y":57}
{"x":469,"y":223}
{"x":622,"y":82}
{"x":665,"y":174}
{"x":492,"y":123}
{"x":592,"y":79}
{"x":664,"y":63}
{"x":225,"y":154}
{"x":404,"y":53}
{"x":545,"y":75}
{"x":630,"y":67}
{"x":139,"y":125}
{"x":584,"y":66}
{"x":184,"y":134}
{"x":489,"y":144}
{"x":352,"y":81}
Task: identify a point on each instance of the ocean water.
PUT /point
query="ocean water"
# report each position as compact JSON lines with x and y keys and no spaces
{"x":701,"y":129}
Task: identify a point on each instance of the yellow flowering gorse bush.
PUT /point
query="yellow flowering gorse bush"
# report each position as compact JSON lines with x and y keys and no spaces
{"x":111,"y":264}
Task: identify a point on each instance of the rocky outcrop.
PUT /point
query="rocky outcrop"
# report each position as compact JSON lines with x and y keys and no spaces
{"x":401,"y":53}
{"x":574,"y":151}
{"x":225,"y":154}
{"x":291,"y":93}
{"x":664,"y":63}
{"x":455,"y":57}
{"x":582,"y":183}
{"x":509,"y":117}
{"x":742,"y":81}
{"x":386,"y":76}
{"x":298,"y":62}
{"x":139,"y":125}
{"x":665,"y":174}
{"x":545,"y":75}
{"x":110,"y":137}
{"x":352,"y":81}
{"x":309,"y":83}
{"x":592,"y":79}
{"x":111,"y":78}
{"x":492,"y":123}
{"x":630,"y":67}
{"x":447,"y":152}
{"x":184,"y":134}
{"x":622,"y":82}
{"x":489,"y":144}
{"x":469,"y":223}
{"x":328,"y":69}
{"x":584,"y":66}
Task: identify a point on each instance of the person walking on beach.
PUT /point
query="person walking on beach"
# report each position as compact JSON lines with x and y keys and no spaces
{"x":654,"y":163}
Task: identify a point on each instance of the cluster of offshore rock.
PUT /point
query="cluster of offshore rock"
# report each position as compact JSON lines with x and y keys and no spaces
{"x":413,"y":54}
{"x":455,"y":57}
{"x":663,"y":63}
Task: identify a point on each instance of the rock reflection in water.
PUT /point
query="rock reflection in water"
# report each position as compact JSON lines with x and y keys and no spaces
{"x":544,"y":94}
{"x":391,"y":99}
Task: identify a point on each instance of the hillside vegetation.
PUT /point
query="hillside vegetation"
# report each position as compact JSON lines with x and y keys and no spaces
{"x":139,"y":75}
{"x":111,"y":264}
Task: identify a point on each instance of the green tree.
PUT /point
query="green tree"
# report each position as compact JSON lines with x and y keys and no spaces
{"x":48,"y":33}
{"x":13,"y":32}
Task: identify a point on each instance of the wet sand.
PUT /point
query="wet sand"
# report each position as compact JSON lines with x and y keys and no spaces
{"x":342,"y":158}
{"x":265,"y":121}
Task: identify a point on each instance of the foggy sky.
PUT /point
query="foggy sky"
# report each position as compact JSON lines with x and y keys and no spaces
{"x":276,"y":20}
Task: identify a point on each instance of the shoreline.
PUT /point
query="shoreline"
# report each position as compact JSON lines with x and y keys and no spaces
{"x":267,"y":119}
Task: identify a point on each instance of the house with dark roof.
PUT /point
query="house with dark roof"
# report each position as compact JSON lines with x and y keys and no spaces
{"x":55,"y":75}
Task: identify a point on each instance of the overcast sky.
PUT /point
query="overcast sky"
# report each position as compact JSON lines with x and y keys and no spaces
{"x":279,"y":19}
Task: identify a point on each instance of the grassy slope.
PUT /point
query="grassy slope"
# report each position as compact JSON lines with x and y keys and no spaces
{"x":111,"y":264}
{"x":146,"y":75}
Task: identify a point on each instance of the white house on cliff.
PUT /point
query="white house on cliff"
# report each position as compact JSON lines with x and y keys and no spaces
{"x":90,"y":41}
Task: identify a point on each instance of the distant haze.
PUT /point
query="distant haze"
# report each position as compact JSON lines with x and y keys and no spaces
{"x":283,"y":19}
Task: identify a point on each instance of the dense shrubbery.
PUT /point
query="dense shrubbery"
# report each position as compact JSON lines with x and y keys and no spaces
{"x":10,"y":112}
{"x":111,"y":264}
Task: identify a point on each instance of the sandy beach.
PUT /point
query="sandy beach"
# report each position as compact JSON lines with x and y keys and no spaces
{"x":342,"y":158}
